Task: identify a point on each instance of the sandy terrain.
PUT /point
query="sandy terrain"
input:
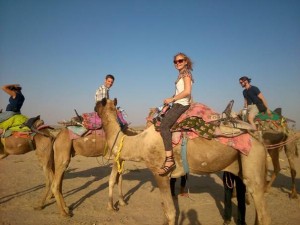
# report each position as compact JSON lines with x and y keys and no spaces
{"x":85,"y":189}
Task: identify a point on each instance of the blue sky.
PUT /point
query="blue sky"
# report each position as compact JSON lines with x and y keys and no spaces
{"x":60,"y":51}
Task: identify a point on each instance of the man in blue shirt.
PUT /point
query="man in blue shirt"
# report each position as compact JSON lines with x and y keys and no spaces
{"x":254,"y":100}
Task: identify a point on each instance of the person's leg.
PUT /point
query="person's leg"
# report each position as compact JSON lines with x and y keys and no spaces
{"x":183,"y":183}
{"x":6,"y":115}
{"x":241,"y":191}
{"x":228,"y":189}
{"x":252,"y":112}
{"x":165,"y":130}
{"x":172,"y":186}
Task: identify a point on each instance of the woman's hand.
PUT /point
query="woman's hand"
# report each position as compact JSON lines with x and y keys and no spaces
{"x":167,"y":101}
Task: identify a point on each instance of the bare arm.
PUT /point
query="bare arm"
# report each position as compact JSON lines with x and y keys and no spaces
{"x":261,"y":96}
{"x":10,"y":92}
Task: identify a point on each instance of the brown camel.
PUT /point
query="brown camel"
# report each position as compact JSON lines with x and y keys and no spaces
{"x":64,"y":147}
{"x":41,"y":142}
{"x":203,"y":156}
{"x":275,"y":140}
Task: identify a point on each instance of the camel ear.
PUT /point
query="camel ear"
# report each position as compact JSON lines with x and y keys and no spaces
{"x":103,"y":101}
{"x":115,"y":101}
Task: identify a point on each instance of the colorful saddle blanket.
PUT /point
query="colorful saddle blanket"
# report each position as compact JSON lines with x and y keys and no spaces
{"x":197,"y":121}
{"x":15,"y":123}
{"x":265,"y":116}
{"x":91,"y":121}
{"x":76,"y":132}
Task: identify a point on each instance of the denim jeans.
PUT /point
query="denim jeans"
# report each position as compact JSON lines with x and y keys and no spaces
{"x":168,"y":121}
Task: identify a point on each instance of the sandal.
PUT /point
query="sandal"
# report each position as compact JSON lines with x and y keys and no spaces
{"x":168,"y":169}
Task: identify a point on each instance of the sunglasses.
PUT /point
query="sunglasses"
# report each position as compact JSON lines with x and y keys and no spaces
{"x":178,"y":61}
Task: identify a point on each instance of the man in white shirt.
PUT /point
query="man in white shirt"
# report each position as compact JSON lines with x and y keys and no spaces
{"x":103,"y":90}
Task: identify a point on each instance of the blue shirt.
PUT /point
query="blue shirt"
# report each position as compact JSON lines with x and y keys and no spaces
{"x":15,"y":104}
{"x":251,"y":95}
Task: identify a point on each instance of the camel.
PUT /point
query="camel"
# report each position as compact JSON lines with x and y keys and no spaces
{"x":41,"y":142}
{"x":275,"y":139}
{"x":203,"y":156}
{"x":91,"y":145}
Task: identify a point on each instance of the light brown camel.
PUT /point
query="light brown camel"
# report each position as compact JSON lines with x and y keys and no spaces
{"x":275,"y":140}
{"x":64,"y":147}
{"x":203,"y":156}
{"x":41,"y":142}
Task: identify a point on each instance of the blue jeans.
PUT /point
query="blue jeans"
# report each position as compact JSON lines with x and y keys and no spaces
{"x":6,"y":115}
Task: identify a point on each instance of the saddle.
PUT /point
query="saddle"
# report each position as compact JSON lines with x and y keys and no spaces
{"x":203,"y":121}
{"x":272,"y":123}
{"x":20,"y":126}
{"x":88,"y":123}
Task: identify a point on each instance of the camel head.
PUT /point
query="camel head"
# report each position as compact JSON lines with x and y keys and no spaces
{"x":106,"y":108}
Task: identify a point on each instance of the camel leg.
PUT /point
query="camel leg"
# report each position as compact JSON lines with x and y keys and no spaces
{"x":289,"y":151}
{"x":2,"y":156}
{"x":46,"y":161}
{"x":113,"y":179}
{"x":254,"y":173}
{"x":163,"y":183}
{"x":274,"y":154}
{"x":121,"y":196}
{"x":62,"y":160}
{"x":48,"y":193}
{"x":57,"y":187}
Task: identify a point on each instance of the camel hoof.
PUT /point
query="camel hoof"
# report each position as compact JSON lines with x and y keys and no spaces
{"x":122,"y":203}
{"x":293,"y":195}
{"x":67,"y":215}
{"x":111,"y":208}
{"x":38,"y":208}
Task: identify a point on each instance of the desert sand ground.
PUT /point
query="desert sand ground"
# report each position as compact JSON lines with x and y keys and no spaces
{"x":85,"y":189}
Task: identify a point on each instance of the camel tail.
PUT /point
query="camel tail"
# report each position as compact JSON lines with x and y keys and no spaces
{"x":297,"y":149}
{"x":50,"y":162}
{"x":297,"y":144}
{"x":266,"y":172}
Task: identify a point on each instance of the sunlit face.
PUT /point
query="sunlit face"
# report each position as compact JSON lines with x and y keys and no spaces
{"x":243,"y":83}
{"x":109,"y":82}
{"x":179,"y":62}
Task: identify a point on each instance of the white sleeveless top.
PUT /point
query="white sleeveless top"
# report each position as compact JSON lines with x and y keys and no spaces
{"x":180,"y":87}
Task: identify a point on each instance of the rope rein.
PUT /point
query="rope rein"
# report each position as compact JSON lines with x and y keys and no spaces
{"x":106,"y":149}
{"x":283,"y":143}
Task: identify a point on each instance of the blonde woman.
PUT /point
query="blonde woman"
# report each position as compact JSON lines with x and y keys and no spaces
{"x":181,"y":102}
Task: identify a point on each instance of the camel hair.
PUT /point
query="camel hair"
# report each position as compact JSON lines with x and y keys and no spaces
{"x":42,"y":143}
{"x":203,"y":156}
{"x":91,"y":145}
{"x":275,"y":141}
